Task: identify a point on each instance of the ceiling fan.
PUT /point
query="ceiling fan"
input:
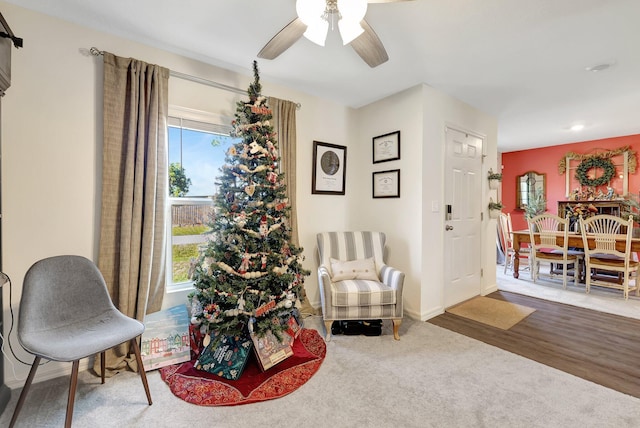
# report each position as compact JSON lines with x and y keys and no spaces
{"x":314,"y":19}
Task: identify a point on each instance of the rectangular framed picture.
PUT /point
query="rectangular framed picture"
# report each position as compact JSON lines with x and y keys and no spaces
{"x":329,"y":169}
{"x":386,"y":147}
{"x":386,"y":184}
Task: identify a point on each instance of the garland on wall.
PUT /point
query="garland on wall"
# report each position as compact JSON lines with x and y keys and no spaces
{"x":605,"y":156}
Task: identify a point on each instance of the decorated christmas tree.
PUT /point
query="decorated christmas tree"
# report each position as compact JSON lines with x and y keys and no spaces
{"x":249,"y":272}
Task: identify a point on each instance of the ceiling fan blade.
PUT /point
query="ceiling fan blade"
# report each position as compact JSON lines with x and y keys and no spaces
{"x":282,"y":41}
{"x":369,"y":46}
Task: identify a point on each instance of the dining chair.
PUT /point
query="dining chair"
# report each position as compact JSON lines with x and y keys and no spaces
{"x":66,"y":314}
{"x":506,"y":236}
{"x":544,"y":231}
{"x":607,"y":246}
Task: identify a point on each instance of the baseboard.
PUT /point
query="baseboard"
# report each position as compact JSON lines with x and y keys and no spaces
{"x":490,"y":289}
{"x":426,"y":315}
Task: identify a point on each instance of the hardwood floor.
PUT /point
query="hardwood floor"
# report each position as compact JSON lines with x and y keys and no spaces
{"x":596,"y":346}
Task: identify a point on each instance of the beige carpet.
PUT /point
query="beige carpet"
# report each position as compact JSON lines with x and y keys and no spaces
{"x":430,"y":378}
{"x":496,"y":313}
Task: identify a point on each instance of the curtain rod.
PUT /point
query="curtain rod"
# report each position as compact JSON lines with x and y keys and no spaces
{"x":97,"y":52}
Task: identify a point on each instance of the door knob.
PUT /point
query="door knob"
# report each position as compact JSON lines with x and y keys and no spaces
{"x":448,"y":227}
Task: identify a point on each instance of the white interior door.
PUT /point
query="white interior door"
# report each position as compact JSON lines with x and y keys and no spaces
{"x":463,"y":211}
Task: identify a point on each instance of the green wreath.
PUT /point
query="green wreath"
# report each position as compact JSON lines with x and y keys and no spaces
{"x":609,"y":170}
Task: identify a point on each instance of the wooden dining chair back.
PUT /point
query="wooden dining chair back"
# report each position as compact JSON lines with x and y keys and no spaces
{"x":549,"y":243}
{"x":606,"y":251}
{"x":506,"y":237}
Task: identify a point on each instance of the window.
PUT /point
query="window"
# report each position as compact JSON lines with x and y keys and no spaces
{"x":196,"y":152}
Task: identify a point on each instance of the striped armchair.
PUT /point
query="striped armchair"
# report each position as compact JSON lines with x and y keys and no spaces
{"x":355,"y":283}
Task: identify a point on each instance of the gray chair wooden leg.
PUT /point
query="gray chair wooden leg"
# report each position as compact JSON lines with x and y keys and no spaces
{"x":143,"y":374}
{"x":103,"y":364}
{"x":73,"y":384}
{"x":25,"y":390}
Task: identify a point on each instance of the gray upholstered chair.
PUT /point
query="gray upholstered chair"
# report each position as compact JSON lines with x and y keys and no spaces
{"x":355,"y":283}
{"x":66,"y":314}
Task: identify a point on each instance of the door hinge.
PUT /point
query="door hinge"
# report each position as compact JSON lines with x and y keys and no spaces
{"x":481,"y":216}
{"x":481,"y":272}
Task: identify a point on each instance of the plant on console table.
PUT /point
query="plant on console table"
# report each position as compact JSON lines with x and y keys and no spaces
{"x":573,"y":213}
{"x":631,"y":208}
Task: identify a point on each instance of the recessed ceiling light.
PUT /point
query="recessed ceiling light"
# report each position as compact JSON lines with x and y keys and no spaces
{"x":577,"y":127}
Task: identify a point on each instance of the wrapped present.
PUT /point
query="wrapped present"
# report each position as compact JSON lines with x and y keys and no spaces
{"x":225,"y":357}
{"x":269,"y":350}
{"x":293,"y":327}
{"x":196,"y":340}
{"x":165,"y":340}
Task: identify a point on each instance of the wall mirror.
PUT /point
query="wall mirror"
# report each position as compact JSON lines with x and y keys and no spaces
{"x":530,"y":186}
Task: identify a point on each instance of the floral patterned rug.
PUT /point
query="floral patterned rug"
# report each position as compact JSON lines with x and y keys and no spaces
{"x":206,"y":389}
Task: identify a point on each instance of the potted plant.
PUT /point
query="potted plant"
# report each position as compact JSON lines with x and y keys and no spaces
{"x":536,"y":205}
{"x":631,"y":208}
{"x":495,"y":208}
{"x":494,"y":179}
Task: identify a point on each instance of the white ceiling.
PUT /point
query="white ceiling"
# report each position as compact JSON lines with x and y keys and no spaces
{"x":522,"y":61}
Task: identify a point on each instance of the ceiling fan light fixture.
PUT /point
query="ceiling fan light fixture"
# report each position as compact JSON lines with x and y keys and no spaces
{"x":313,"y":20}
{"x":317,"y":31}
{"x":352,"y":10}
{"x":351,"y":13}
{"x":349,"y":31}
{"x":310,"y":10}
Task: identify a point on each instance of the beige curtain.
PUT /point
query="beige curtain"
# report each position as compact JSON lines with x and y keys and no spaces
{"x":284,"y":123}
{"x":134,"y":188}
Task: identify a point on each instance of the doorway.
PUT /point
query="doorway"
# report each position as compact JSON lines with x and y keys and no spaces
{"x":463,"y":211}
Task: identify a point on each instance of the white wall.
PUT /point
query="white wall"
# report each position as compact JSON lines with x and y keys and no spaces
{"x":415,"y":233}
{"x":399,"y":218}
{"x":51,"y":160}
{"x":442,"y":110}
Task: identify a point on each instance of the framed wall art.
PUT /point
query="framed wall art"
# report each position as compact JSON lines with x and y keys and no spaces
{"x":386,"y":184}
{"x":386,"y":147}
{"x":329,"y":169}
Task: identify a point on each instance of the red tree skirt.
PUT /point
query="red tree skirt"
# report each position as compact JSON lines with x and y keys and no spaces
{"x":206,"y":389}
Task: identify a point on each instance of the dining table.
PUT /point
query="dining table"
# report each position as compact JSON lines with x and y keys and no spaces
{"x":575,"y":241}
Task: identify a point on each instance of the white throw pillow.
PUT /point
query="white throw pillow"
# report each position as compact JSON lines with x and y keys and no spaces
{"x":353,"y":269}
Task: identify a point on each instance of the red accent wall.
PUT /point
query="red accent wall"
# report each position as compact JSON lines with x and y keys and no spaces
{"x":546,"y":160}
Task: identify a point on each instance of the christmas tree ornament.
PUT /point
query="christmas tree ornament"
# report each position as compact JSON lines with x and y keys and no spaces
{"x":263,"y":226}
